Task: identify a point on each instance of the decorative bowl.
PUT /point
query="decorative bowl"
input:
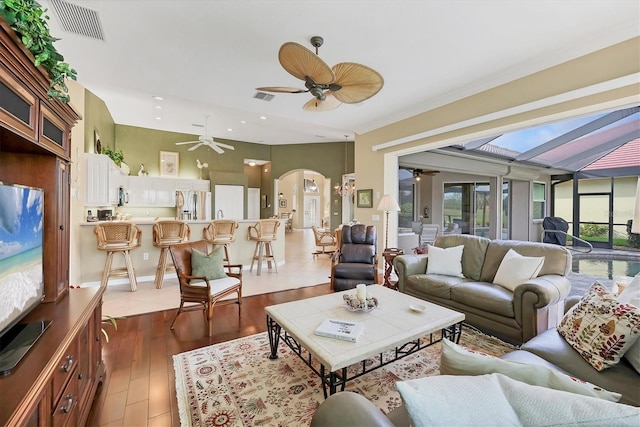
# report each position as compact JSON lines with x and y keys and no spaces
{"x":352,"y":303}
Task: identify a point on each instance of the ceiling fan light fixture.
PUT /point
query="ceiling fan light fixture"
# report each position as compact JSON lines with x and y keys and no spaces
{"x":347,"y":82}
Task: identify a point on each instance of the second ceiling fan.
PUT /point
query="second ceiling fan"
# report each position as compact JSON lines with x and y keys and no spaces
{"x":346,"y":82}
{"x":207,"y":140}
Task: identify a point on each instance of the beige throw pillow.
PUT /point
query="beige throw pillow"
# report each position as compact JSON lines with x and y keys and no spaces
{"x":631,"y":295}
{"x":600,"y":327}
{"x":445,"y":261}
{"x":516,"y":269}
{"x":457,"y":360}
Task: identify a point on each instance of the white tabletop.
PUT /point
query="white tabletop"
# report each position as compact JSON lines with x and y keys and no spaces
{"x":392,"y":324}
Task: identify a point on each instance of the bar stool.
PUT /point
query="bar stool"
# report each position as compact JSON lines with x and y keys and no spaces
{"x":263,"y":233}
{"x":221,"y":232}
{"x":114,"y":237}
{"x":165,"y":234}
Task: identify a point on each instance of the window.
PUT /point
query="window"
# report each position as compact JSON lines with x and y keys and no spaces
{"x":406,"y":196}
{"x":539,"y":200}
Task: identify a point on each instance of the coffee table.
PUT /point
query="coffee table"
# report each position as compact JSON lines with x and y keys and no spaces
{"x":391,"y":326}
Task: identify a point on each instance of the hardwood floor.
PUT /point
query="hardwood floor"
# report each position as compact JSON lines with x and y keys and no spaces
{"x":139,"y":388}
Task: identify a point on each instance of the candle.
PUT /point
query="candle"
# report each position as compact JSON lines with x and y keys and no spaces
{"x":361,"y":292}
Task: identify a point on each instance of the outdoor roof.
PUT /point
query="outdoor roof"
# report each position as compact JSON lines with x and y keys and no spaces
{"x":605,"y":144}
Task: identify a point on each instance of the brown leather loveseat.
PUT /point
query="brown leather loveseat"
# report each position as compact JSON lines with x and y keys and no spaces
{"x":535,"y":305}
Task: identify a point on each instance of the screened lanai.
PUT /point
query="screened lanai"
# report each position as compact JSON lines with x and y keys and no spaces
{"x":592,"y":164}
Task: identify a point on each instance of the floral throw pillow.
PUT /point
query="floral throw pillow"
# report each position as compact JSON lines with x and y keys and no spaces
{"x":600,"y":327}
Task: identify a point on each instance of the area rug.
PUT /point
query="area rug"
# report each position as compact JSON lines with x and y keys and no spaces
{"x":235,"y":383}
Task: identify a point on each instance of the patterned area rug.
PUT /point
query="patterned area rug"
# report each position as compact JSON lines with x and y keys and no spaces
{"x":235,"y":383}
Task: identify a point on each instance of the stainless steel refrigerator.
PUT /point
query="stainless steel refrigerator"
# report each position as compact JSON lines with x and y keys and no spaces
{"x":193,"y":205}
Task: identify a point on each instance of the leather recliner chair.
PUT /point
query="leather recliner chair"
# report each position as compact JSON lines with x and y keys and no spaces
{"x":356,"y":261}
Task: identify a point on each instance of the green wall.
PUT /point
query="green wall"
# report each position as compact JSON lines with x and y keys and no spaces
{"x":97,"y":118}
{"x":142,"y":146}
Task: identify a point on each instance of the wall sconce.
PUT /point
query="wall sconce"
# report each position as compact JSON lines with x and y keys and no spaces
{"x":280,"y":195}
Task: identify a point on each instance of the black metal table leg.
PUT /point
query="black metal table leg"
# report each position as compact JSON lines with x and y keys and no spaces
{"x":273,"y":329}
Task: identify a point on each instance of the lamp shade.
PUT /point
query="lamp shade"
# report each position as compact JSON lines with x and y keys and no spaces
{"x":388,"y":204}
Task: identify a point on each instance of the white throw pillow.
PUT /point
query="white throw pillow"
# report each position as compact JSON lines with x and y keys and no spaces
{"x":516,"y":269}
{"x":456,"y":360}
{"x":497,"y":400}
{"x":631,"y":295}
{"x":445,"y":261}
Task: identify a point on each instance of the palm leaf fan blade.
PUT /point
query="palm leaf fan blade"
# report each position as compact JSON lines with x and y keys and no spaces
{"x":329,"y":103}
{"x":281,"y":89}
{"x":300,"y":62}
{"x":358,"y":82}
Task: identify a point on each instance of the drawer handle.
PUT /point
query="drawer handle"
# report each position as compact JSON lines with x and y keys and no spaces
{"x":67,"y":366}
{"x":67,"y":409}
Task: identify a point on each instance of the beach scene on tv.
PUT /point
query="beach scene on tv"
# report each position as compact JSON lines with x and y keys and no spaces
{"x":21,"y":223}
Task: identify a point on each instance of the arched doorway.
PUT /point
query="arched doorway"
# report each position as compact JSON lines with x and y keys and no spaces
{"x":306,"y":194}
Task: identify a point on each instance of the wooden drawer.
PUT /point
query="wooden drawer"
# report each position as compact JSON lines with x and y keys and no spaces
{"x":64,"y":411}
{"x":65,"y":368}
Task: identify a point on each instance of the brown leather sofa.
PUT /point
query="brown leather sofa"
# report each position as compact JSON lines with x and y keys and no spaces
{"x":534,"y":307}
{"x":547,"y":349}
{"x":356,"y":260}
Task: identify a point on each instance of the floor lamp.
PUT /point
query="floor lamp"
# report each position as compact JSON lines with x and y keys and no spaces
{"x":387,"y":204}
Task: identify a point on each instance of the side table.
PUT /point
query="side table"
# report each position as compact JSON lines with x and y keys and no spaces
{"x":389,"y":254}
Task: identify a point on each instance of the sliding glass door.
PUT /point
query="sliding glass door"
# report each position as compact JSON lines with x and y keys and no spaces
{"x":468,"y":205}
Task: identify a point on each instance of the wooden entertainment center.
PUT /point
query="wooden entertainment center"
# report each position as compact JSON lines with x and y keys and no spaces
{"x":56,"y":381}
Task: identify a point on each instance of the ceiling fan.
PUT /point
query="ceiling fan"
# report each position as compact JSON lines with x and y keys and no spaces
{"x":208,"y":141}
{"x":346,"y":82}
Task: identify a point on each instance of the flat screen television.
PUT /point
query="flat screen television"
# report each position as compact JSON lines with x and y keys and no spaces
{"x":21,"y":270}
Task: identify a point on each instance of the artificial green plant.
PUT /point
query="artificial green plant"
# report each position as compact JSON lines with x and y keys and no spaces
{"x":29,"y":21}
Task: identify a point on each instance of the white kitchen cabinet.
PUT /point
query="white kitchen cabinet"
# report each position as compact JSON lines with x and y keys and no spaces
{"x":193,"y":184}
{"x":147,"y":191}
{"x":163,"y":192}
{"x":102,"y":179}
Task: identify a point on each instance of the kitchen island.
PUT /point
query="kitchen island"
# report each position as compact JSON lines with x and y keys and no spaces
{"x":145,"y":257}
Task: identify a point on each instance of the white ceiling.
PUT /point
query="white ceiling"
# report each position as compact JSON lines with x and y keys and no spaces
{"x":207,"y":57}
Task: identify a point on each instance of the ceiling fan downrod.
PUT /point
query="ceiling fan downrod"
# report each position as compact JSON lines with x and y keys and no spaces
{"x":316,"y":41}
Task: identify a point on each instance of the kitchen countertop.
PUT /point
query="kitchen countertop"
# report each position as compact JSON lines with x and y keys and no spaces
{"x":143,"y":221}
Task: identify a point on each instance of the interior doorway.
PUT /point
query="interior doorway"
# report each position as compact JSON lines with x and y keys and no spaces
{"x":311,"y":211}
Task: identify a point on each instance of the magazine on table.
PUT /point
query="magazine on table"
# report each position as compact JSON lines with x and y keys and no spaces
{"x":340,"y":329}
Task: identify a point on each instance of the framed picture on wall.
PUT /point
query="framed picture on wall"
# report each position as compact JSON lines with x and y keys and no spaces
{"x":169,"y":165}
{"x":365,"y":198}
{"x":283,"y":203}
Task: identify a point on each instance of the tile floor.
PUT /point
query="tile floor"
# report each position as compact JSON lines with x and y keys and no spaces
{"x":300,"y":269}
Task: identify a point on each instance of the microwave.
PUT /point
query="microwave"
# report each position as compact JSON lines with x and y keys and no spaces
{"x":105,"y":214}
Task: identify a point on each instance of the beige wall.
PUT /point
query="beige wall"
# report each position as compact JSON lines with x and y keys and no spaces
{"x":78,"y":139}
{"x":548,"y":95}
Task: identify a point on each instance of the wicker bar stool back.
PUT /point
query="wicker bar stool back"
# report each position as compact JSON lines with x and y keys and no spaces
{"x":263,"y":233}
{"x":165,"y":234}
{"x":118,"y":237}
{"x":221,"y":232}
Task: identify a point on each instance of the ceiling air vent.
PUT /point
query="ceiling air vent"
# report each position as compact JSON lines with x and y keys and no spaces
{"x":264,"y":96}
{"x":78,"y":20}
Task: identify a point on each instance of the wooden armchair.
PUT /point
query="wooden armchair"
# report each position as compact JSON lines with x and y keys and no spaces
{"x":200,"y":289}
